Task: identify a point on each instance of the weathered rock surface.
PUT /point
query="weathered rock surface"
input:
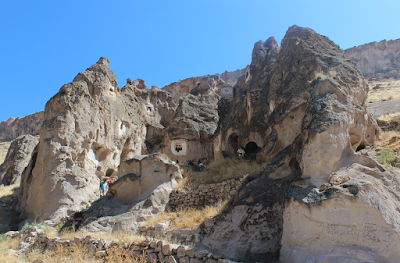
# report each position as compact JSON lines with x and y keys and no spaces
{"x":18,"y":156}
{"x":231,"y":77}
{"x":89,"y":128}
{"x":301,"y":110}
{"x":307,"y":97}
{"x":191,"y":132}
{"x":182,"y":87}
{"x":350,"y":219}
{"x":141,"y":191}
{"x":377,"y":58}
{"x":215,"y":83}
{"x":15,"y":127}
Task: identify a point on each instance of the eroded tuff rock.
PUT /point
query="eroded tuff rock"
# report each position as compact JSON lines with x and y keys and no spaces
{"x":301,"y":110}
{"x":377,"y":57}
{"x":89,"y":128}
{"x":307,"y":98}
{"x":352,"y":218}
{"x":141,"y":191}
{"x":18,"y":156}
{"x":15,"y":127}
{"x":190,"y":134}
{"x":215,"y":83}
{"x":231,"y":77}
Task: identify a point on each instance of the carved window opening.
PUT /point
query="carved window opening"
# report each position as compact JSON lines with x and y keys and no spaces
{"x":178,"y":147}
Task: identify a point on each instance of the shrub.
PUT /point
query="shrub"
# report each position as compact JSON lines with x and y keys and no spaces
{"x":387,"y":156}
{"x":188,"y":217}
{"x":3,"y":238}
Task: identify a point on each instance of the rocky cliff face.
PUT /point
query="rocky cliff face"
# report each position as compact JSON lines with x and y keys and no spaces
{"x":302,"y":111}
{"x":89,"y":128}
{"x":217,"y":82}
{"x":15,"y":127}
{"x":377,"y":58}
{"x":231,"y":77}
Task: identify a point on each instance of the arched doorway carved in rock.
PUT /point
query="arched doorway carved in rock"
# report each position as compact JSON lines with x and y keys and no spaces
{"x":251,"y":150}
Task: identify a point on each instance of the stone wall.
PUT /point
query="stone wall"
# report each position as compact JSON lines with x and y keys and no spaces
{"x":205,"y":194}
{"x":154,"y":250}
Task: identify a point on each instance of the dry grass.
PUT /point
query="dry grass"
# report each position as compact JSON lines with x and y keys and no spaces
{"x":10,"y":191}
{"x":390,"y":139}
{"x":80,"y":253}
{"x":218,"y":171}
{"x":61,"y":254}
{"x":5,"y":245}
{"x":390,"y":90}
{"x":391,"y":117}
{"x":187,"y":218}
{"x":3,"y":150}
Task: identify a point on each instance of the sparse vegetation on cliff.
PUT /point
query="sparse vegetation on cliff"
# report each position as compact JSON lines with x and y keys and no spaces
{"x":187,"y":218}
{"x":387,"y":156}
{"x":218,"y":171}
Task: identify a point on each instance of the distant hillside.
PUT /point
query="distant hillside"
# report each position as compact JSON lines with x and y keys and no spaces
{"x":15,"y":127}
{"x":377,"y":58}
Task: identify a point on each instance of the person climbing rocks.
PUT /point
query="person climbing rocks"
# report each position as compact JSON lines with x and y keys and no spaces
{"x":241,"y":152}
{"x":103,"y":187}
{"x":190,"y":162}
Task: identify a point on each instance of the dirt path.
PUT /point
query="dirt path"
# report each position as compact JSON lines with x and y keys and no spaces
{"x":384,"y":107}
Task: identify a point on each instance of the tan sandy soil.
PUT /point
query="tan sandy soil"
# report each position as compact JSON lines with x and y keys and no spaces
{"x":387,"y":89}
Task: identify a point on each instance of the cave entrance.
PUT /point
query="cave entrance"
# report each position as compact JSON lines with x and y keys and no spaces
{"x":233,"y":142}
{"x":251,"y":150}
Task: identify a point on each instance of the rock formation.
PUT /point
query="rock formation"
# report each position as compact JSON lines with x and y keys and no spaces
{"x":299,"y":109}
{"x":219,"y":86}
{"x":306,"y":122}
{"x":311,"y":99}
{"x":90,"y":128}
{"x":231,"y":77}
{"x":18,"y":156}
{"x":190,"y":135}
{"x":15,"y":127}
{"x":377,"y":58}
{"x":350,"y":219}
{"x":141,"y":191}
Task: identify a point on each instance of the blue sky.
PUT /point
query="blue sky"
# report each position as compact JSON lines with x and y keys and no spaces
{"x":45,"y":44}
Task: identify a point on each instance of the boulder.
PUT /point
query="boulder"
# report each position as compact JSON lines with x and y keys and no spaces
{"x":353,"y":220}
{"x":18,"y":156}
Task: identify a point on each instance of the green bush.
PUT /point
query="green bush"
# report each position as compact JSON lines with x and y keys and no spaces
{"x":3,"y":238}
{"x":387,"y":156}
